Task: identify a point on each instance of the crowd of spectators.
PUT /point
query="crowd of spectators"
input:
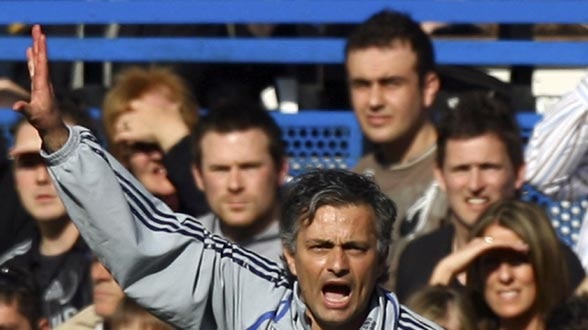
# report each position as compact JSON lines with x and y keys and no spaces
{"x":206,"y":231}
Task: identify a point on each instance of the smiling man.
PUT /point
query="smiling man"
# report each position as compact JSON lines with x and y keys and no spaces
{"x":170,"y":264}
{"x":479,"y":162}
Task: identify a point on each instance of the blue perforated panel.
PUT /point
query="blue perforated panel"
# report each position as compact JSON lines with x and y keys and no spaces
{"x":320,"y":139}
{"x":566,"y":216}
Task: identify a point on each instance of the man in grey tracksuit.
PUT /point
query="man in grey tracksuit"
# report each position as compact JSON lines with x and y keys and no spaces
{"x":335,"y":230}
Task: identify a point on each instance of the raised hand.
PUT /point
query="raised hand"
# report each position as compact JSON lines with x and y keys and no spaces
{"x":457,"y":262}
{"x":41,"y":111}
{"x":152,"y":118}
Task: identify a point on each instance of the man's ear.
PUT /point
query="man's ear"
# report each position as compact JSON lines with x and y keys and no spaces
{"x":520,"y":179}
{"x":431,"y":85}
{"x":440,"y":178}
{"x":198,"y":177}
{"x":44,"y":324}
{"x":283,"y":173}
{"x":290,"y":260}
{"x":383,"y":271}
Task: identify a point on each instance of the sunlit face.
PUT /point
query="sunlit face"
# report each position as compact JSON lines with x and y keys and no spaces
{"x":106,"y":292}
{"x":337,"y":265}
{"x":11,"y":319}
{"x":509,"y":280}
{"x":32,"y":181}
{"x":476,"y":173}
{"x":387,"y":98}
{"x":239,"y":177}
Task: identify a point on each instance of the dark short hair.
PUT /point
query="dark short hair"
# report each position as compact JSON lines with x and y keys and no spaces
{"x":17,"y":288}
{"x":232,"y":117}
{"x":385,"y":28}
{"x":571,"y":315}
{"x":306,"y":193}
{"x":477,"y":113}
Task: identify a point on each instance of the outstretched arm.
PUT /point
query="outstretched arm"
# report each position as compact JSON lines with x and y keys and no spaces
{"x":166,"y":261}
{"x":41,"y":111}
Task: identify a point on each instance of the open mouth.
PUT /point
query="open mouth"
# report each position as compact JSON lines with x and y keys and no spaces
{"x":336,"y":295}
{"x":159,"y":171}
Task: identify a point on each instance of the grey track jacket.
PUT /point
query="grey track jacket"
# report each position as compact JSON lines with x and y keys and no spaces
{"x":169,"y":263}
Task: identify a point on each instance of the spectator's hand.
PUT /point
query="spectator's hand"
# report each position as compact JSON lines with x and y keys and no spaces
{"x":457,"y":262}
{"x":152,"y":118}
{"x":41,"y":111}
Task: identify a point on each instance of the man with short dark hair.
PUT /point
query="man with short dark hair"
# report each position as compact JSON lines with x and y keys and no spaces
{"x":572,"y":315}
{"x":393,"y":83}
{"x":239,"y":162}
{"x":479,"y":162}
{"x":20,"y":305}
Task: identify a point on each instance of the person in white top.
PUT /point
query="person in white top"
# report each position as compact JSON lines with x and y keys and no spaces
{"x":557,"y":154}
